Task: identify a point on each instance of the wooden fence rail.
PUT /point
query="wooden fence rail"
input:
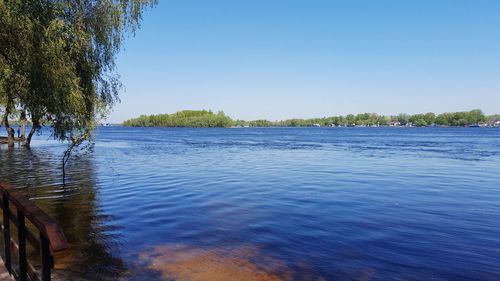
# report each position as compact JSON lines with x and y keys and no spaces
{"x":50,"y":237}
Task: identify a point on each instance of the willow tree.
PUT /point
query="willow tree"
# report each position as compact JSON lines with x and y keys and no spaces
{"x":15,"y":29}
{"x":57,"y":61}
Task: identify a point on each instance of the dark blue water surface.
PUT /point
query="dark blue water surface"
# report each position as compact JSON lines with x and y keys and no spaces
{"x":272,"y":203}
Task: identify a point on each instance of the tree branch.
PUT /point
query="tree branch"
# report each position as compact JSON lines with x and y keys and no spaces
{"x":4,"y":55}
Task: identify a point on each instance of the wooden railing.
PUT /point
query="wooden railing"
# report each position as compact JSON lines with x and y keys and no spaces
{"x":50,"y":237}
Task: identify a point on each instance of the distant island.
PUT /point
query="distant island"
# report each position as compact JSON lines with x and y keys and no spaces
{"x":209,"y":119}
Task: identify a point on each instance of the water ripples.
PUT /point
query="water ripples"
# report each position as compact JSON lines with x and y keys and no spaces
{"x":273,"y":204}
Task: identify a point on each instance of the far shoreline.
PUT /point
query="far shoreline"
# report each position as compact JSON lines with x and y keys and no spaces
{"x":207,"y":119}
{"x":310,"y":127}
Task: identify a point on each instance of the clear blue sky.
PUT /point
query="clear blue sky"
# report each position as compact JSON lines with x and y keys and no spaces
{"x":278,"y":59}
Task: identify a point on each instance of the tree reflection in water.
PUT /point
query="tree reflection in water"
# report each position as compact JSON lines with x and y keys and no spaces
{"x":93,"y":238}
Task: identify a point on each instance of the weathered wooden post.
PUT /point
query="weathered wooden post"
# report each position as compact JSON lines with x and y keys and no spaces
{"x":23,"y":132}
{"x":23,"y":125}
{"x":10,"y":136}
{"x":6,"y":231}
{"x":21,"y":238}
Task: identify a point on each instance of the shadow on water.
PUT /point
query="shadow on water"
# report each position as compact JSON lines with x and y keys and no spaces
{"x":92,"y":237}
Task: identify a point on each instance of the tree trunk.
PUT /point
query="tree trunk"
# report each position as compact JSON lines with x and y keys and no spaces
{"x":10,"y":131}
{"x":35,"y":127}
{"x":10,"y":137}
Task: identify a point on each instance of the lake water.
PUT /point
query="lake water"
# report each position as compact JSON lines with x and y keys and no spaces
{"x":272,"y":203}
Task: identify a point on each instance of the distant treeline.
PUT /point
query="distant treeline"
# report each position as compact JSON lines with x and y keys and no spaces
{"x":206,"y":119}
{"x":186,"y":118}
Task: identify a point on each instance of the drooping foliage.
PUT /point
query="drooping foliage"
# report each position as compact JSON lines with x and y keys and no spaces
{"x":57,"y":60}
